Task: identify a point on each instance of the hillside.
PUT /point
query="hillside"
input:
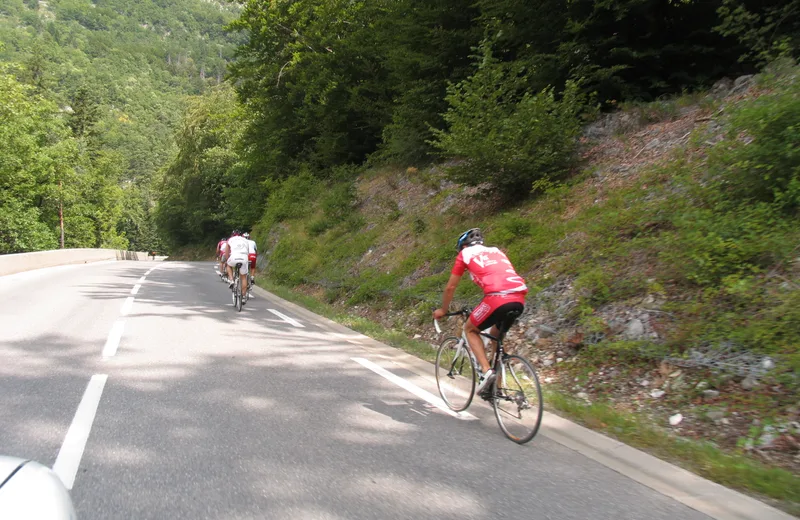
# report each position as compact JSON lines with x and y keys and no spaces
{"x":92,"y":96}
{"x":664,"y":274}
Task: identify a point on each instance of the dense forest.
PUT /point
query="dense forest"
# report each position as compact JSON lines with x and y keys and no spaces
{"x":154,"y":125}
{"x":91,"y":94}
{"x":325,"y":87}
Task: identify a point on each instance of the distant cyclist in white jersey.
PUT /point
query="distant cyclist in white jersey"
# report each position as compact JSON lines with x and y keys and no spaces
{"x":239,"y":248}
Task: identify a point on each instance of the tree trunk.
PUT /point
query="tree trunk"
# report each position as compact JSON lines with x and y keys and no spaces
{"x":61,"y":212}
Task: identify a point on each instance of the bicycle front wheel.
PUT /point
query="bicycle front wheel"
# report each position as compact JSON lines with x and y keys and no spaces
{"x":517,"y":400}
{"x":455,"y":374}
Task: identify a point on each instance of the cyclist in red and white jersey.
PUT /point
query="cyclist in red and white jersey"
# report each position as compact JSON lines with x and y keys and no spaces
{"x":503,"y":291}
{"x":222,"y":251}
{"x":252,"y":256}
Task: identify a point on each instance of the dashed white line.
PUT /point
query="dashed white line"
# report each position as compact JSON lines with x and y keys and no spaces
{"x":69,"y":456}
{"x":414,"y":389}
{"x":287,"y":319}
{"x":136,"y":288}
{"x":113,"y":340}
{"x":126,"y":307}
{"x":141,"y":280}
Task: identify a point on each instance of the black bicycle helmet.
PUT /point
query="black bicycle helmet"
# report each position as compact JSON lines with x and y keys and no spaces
{"x":468,"y":238}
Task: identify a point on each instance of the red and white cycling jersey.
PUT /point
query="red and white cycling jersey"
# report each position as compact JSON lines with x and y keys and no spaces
{"x":491,"y":269}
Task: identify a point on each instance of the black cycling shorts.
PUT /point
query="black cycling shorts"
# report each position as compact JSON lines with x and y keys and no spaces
{"x":499,"y":314}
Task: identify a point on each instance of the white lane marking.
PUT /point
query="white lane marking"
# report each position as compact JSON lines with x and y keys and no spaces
{"x":69,"y":456}
{"x":414,"y":389}
{"x":113,"y":340}
{"x":126,"y":307}
{"x":150,"y":271}
{"x":136,"y":288}
{"x":141,"y":280}
{"x":287,"y":319}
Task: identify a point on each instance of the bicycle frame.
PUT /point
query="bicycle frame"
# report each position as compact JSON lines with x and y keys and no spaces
{"x":498,"y":352}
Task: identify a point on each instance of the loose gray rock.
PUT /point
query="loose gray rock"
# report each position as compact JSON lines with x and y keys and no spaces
{"x":675,"y":420}
{"x":766,"y":440}
{"x":749,"y":383}
{"x":582,"y":395}
{"x":702,"y":385}
{"x":722,"y":87}
{"x":548,"y":362}
{"x":767,"y":363}
{"x":710,"y":394}
{"x":657,"y":393}
{"x":715,"y":415}
{"x":635,"y":329}
{"x":545,"y":331}
{"x":742,"y":83}
{"x":644,"y":382}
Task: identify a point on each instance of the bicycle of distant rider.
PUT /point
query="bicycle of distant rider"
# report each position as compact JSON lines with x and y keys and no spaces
{"x":238,"y":298}
{"x":515,"y":394}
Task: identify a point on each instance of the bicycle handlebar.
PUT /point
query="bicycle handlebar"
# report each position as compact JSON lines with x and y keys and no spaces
{"x":466,"y":311}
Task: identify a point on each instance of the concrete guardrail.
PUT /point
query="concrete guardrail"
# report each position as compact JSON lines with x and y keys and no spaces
{"x":18,"y":262}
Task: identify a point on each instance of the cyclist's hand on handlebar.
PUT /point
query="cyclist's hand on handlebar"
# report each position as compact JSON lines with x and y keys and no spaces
{"x":439,"y":313}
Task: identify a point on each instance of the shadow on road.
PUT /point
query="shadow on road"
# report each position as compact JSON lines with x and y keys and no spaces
{"x":212,"y":413}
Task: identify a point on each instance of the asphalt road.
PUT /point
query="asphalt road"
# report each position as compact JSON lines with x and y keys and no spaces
{"x":203,"y":412}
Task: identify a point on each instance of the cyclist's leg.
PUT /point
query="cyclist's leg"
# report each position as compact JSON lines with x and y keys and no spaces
{"x":487,"y":315}
{"x":229,"y":266}
{"x":243,"y":274}
{"x":476,"y":344}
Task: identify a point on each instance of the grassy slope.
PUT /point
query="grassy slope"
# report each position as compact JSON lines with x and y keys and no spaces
{"x":639,"y":220}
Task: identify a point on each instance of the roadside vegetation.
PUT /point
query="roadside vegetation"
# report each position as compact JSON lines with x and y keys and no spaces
{"x":699,"y":231}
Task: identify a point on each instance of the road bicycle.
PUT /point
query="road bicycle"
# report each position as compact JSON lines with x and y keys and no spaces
{"x":515,"y":394}
{"x":239,"y":299}
{"x":223,"y":275}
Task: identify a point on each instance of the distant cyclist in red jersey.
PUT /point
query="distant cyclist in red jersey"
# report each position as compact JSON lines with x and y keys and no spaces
{"x":503,"y":291}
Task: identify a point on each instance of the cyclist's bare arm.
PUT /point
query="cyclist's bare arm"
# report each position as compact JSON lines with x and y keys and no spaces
{"x":447,"y":297}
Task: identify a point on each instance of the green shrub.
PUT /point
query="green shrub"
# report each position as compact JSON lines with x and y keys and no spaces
{"x":761,"y":159}
{"x":593,"y":286}
{"x":338,"y":201}
{"x":290,"y":198}
{"x":373,"y":286}
{"x":418,"y":226}
{"x":508,"y":137}
{"x":710,"y":245}
{"x":293,"y":261}
{"x":21,"y":229}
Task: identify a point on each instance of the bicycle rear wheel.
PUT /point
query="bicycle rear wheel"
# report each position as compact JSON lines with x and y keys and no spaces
{"x":455,"y":374}
{"x":517,"y":400}
{"x":237,"y":289}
